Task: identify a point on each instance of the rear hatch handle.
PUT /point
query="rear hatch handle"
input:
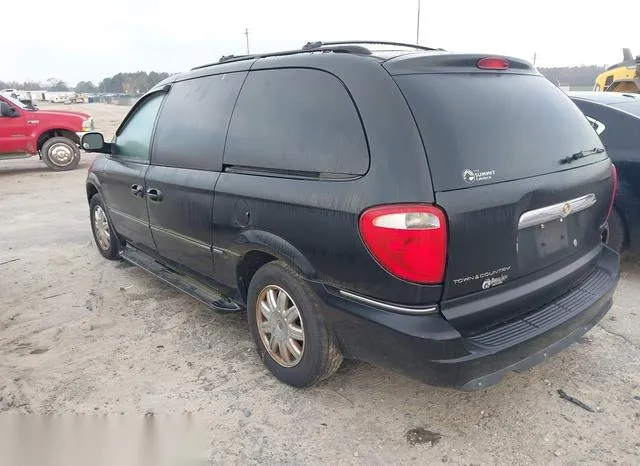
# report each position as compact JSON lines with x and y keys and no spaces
{"x":581,"y":154}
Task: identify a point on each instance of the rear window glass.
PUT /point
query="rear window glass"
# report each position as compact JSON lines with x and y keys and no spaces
{"x":488,"y":128}
{"x":633,"y":107}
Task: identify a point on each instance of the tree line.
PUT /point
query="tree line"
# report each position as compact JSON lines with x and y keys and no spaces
{"x":121,"y":83}
{"x":51,"y":85}
{"x":573,"y":75}
{"x":141,"y":81}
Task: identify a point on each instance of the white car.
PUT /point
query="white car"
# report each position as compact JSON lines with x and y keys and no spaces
{"x":10,"y":92}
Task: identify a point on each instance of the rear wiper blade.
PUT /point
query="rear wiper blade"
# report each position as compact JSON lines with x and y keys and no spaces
{"x":581,"y":154}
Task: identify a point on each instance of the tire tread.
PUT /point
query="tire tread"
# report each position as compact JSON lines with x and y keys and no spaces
{"x":330,"y":358}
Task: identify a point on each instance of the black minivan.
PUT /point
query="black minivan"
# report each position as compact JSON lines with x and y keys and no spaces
{"x":435,"y":213}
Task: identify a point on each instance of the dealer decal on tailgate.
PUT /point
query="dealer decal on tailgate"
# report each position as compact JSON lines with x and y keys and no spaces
{"x":489,"y":279}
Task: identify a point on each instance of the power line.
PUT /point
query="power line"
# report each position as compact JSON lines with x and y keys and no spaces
{"x":418,"y":25}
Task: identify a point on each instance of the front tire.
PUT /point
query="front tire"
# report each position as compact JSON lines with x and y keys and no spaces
{"x":103,"y":233}
{"x":287,"y":326}
{"x":60,"y":154}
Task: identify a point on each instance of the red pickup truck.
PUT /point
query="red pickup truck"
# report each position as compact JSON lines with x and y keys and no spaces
{"x":52,"y":135}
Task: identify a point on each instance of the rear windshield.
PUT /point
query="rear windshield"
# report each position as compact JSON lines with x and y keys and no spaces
{"x":632,"y":106}
{"x":487,"y":128}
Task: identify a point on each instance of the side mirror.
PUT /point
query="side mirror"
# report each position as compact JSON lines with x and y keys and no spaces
{"x":7,"y":110}
{"x":93,"y":142}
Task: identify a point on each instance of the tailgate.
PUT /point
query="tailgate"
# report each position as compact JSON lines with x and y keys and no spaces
{"x":522,"y":176}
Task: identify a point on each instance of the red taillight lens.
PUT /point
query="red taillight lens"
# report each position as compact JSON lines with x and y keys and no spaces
{"x":409,"y":241}
{"x":493,"y":63}
{"x":614,"y":176}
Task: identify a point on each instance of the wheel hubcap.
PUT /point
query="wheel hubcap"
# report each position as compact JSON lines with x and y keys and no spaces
{"x":60,"y":154}
{"x":101,"y":226}
{"x":280,"y":326}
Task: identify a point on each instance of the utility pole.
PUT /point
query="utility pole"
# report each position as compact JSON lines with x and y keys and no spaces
{"x":246,"y":33}
{"x":418,"y":25}
{"x":535,"y":55}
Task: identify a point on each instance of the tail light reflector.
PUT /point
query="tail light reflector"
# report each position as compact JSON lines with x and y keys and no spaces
{"x":614,"y":176}
{"x":493,"y":63}
{"x":407,"y":240}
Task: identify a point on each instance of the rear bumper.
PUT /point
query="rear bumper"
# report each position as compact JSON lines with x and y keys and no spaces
{"x":428,"y":348}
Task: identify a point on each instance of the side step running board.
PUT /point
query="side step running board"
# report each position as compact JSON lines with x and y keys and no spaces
{"x":194,"y":288}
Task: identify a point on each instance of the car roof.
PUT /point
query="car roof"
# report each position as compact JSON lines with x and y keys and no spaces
{"x":605,"y":98}
{"x":395,"y":55}
{"x":398,"y":58}
{"x":382,"y":50}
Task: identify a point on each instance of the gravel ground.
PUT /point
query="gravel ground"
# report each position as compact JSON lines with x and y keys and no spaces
{"x":79,"y":334}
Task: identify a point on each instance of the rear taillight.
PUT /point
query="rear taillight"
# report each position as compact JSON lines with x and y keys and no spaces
{"x":409,"y":240}
{"x":493,"y":63}
{"x":614,"y":176}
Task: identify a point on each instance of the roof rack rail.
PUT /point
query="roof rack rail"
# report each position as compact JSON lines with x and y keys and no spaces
{"x":353,"y":46}
{"x":232,"y":58}
{"x":347,"y":47}
{"x":319,"y":44}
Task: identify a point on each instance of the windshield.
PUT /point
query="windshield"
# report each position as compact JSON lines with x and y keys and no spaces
{"x":15,"y":102}
{"x":632,"y":106}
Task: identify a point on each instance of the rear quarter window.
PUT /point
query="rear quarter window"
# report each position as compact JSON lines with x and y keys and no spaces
{"x":296,"y":120}
{"x":482,"y":128}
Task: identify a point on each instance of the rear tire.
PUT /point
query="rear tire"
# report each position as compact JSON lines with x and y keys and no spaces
{"x":315,"y":355}
{"x":616,"y":237}
{"x":104,"y":235}
{"x":60,"y":154}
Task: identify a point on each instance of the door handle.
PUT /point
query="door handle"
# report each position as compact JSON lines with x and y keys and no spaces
{"x":137,"y":190}
{"x":154,"y":194}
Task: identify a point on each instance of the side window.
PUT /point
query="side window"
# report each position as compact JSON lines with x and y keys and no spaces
{"x":624,"y":86}
{"x":135,"y":138}
{"x":608,"y":81}
{"x":193,"y":123}
{"x":296,"y":120}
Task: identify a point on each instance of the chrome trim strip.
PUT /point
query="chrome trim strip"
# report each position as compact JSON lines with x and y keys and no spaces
{"x":555,"y":211}
{"x":178,"y":236}
{"x":128,"y":217}
{"x":389,"y":307}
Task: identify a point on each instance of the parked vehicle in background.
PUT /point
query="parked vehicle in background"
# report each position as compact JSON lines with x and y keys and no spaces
{"x":54,"y":136}
{"x":631,"y":86}
{"x":616,"y":119}
{"x":23,"y":97}
{"x":439,"y":214}
{"x":10,"y":92}
{"x":627,"y":69}
{"x":59,"y":99}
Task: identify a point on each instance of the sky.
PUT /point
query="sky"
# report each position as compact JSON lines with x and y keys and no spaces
{"x":78,"y":40}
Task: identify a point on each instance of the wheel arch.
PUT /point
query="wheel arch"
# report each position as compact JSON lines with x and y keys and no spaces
{"x":624,"y":220}
{"x":93,"y":186}
{"x":260,"y":248}
{"x":92,"y":190}
{"x":56,"y":132}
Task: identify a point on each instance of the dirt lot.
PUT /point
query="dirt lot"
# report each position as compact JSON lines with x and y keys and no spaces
{"x":79,"y":334}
